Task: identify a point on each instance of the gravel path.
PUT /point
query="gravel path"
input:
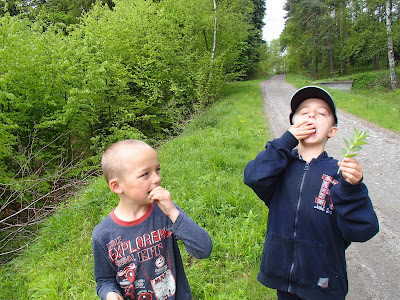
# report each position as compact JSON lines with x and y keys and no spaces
{"x":374,"y":266}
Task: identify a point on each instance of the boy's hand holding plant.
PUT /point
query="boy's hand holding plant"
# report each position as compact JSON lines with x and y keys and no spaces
{"x":351,"y":169}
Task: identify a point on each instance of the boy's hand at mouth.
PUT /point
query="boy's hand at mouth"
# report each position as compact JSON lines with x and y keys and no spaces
{"x":164,"y":201}
{"x":302,"y":130}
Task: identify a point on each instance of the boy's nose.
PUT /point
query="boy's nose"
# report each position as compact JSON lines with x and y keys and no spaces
{"x":157,"y":178}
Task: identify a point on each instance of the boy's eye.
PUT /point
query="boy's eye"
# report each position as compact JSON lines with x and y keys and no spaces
{"x":323,"y":112}
{"x":303,"y":111}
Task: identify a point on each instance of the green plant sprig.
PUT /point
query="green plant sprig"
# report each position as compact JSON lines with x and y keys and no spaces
{"x":359,"y":139}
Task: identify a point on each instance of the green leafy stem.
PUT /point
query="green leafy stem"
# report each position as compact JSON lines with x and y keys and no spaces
{"x":355,"y":144}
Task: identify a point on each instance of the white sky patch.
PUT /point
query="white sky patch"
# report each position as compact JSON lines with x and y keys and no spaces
{"x":273,"y":19}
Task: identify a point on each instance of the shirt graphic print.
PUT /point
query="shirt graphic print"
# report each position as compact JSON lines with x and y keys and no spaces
{"x":144,"y":265}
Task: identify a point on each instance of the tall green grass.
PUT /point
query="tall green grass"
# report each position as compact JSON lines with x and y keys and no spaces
{"x":369,"y":101}
{"x":203,"y":170}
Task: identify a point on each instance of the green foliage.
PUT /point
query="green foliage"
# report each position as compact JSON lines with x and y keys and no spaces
{"x":355,"y":144}
{"x":203,"y":170}
{"x":272,"y":61}
{"x":151,"y":75}
{"x":378,"y":81}
{"x":331,"y":38}
{"x":52,"y":12}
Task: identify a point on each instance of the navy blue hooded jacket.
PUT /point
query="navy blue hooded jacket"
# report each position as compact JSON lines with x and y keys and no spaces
{"x":314,"y":215}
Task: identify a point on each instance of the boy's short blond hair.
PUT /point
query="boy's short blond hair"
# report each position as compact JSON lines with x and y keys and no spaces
{"x":112,"y":164}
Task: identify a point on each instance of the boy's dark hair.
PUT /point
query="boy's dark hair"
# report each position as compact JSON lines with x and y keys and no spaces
{"x":311,"y":91}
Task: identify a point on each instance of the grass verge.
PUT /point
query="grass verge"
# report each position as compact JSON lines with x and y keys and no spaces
{"x":203,"y":170}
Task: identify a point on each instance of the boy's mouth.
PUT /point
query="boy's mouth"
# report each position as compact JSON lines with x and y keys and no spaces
{"x":315,"y":129}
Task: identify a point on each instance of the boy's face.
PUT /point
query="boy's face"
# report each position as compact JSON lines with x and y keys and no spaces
{"x":316,"y":112}
{"x":141,"y":173}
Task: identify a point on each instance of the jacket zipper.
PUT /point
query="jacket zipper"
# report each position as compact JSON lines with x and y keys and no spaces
{"x":306,"y":168}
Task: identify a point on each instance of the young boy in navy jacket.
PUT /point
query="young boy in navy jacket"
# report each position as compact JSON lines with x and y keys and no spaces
{"x":314,"y":213}
{"x":136,"y":255}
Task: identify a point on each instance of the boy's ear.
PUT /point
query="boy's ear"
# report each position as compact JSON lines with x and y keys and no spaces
{"x":332,"y":132}
{"x":115,"y":186}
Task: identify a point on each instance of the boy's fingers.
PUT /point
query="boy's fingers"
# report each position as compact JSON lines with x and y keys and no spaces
{"x":351,"y":172}
{"x":297,"y":125}
{"x":159,"y":194}
{"x":351,"y":163}
{"x":154,"y":191}
{"x":351,"y":178}
{"x":349,"y":160}
{"x":303,"y":125}
{"x":154,"y":196}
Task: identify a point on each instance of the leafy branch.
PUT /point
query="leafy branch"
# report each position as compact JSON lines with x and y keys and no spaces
{"x":355,"y":144}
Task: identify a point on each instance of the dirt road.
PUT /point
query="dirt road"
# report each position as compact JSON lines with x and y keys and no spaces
{"x":374,"y":266}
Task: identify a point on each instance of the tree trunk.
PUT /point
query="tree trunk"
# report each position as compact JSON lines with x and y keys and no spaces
{"x":393,"y":77}
{"x":215,"y":32}
{"x":344,"y":33}
{"x":376,"y":61}
{"x":331,"y":64}
{"x":205,"y":39}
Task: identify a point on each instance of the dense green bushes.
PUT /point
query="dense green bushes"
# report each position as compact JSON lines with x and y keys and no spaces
{"x":379,"y":81}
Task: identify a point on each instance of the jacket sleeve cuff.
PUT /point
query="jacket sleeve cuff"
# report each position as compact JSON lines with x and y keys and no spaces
{"x":348,"y":189}
{"x":177,"y":222}
{"x":288,"y":140}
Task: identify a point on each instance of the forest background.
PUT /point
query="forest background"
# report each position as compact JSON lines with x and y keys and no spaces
{"x":76,"y":76}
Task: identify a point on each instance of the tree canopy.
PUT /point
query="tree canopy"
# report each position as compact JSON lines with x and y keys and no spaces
{"x":335,"y":36}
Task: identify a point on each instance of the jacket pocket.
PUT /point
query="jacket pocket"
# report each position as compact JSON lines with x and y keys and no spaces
{"x":312,"y":267}
{"x":276,"y":257}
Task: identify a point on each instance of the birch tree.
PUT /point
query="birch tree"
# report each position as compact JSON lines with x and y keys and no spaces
{"x":393,"y":77}
{"x":215,"y":32}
